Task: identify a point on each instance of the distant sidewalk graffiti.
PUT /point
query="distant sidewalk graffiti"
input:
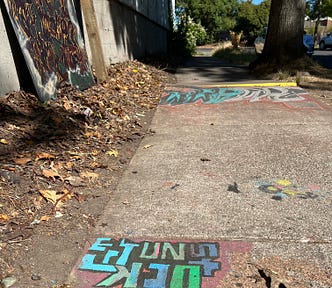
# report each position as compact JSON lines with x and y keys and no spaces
{"x":283,"y":188}
{"x":125,"y":263}
{"x":219,"y":95}
{"x":52,"y":44}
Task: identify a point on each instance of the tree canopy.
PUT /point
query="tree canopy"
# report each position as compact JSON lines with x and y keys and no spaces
{"x":216,"y":16}
{"x":319,"y":8}
{"x":251,"y":19}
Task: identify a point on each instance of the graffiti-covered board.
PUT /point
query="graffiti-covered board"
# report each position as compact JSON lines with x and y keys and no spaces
{"x":52,"y":44}
{"x":109,"y":262}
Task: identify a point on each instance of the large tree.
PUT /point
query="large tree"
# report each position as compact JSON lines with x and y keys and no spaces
{"x":284,"y":40}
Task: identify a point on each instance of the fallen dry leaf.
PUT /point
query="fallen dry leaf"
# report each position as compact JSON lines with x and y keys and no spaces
{"x":75,"y":155}
{"x":125,"y":117}
{"x":54,"y":196}
{"x":75,"y":181}
{"x":4,"y":141}
{"x":49,"y":173}
{"x":67,"y":104}
{"x":49,"y":195}
{"x":69,"y":165}
{"x":4,"y":217}
{"x":95,"y":152}
{"x":112,"y":153}
{"x":22,"y":161}
{"x":94,"y":165}
{"x":67,"y":193}
{"x":56,"y":166}
{"x":95,"y":134}
{"x":90,"y":175}
{"x":43,"y":156}
{"x":45,"y":218}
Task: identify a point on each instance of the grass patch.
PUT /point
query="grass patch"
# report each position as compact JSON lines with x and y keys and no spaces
{"x":294,"y":70}
{"x":240,"y":56}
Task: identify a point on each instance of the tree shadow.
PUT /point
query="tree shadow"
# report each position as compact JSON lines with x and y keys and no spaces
{"x":323,"y":60}
{"x":28,"y":127}
{"x":126,"y":29}
{"x":135,"y":32}
{"x":215,"y":70}
{"x":321,"y":71}
{"x":317,"y":85}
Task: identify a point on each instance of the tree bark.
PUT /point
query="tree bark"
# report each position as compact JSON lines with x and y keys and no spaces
{"x":284,"y":40}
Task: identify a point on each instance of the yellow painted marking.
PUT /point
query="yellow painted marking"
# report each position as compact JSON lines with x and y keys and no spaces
{"x":271,"y":188}
{"x":292,"y":192}
{"x":284,"y":183}
{"x":271,"y":84}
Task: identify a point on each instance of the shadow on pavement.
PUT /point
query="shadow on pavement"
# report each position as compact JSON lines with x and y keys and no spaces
{"x":211,"y":70}
{"x":324,"y":60}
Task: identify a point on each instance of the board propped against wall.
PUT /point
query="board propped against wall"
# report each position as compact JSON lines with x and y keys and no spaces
{"x":52,"y":44}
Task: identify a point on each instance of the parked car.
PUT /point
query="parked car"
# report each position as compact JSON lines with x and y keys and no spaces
{"x":259,"y":41}
{"x":308,"y":43}
{"x":326,"y":42}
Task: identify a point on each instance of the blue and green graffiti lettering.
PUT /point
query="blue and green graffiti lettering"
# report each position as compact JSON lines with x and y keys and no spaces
{"x":151,"y":264}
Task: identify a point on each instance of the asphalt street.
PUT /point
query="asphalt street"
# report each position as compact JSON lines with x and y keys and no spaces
{"x":324,"y":57}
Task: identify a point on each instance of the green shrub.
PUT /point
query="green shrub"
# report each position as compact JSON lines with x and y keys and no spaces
{"x":187,"y":36}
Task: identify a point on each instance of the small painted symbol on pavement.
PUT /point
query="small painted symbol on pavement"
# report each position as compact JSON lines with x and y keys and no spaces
{"x":283,"y":188}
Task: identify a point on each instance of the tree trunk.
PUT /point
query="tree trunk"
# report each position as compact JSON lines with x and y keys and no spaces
{"x":284,"y":40}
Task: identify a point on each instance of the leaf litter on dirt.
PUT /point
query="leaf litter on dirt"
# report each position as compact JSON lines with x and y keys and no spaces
{"x":49,"y":148}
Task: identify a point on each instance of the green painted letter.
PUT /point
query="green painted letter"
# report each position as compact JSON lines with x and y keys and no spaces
{"x":193,"y":280}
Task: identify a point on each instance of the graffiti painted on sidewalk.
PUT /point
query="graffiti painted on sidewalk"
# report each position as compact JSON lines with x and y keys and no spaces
{"x":219,"y":95}
{"x":125,"y":263}
{"x":52,"y":45}
{"x":282,"y":188}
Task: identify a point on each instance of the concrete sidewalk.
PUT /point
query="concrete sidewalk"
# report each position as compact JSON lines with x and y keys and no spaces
{"x":233,"y":189}
{"x":207,"y":70}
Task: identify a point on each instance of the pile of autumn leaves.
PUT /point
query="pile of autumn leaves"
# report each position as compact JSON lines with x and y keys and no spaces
{"x":48,"y":151}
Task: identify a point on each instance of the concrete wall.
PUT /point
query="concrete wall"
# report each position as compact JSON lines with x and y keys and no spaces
{"x":131,"y":28}
{"x":155,"y":10}
{"x":8,"y":75}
